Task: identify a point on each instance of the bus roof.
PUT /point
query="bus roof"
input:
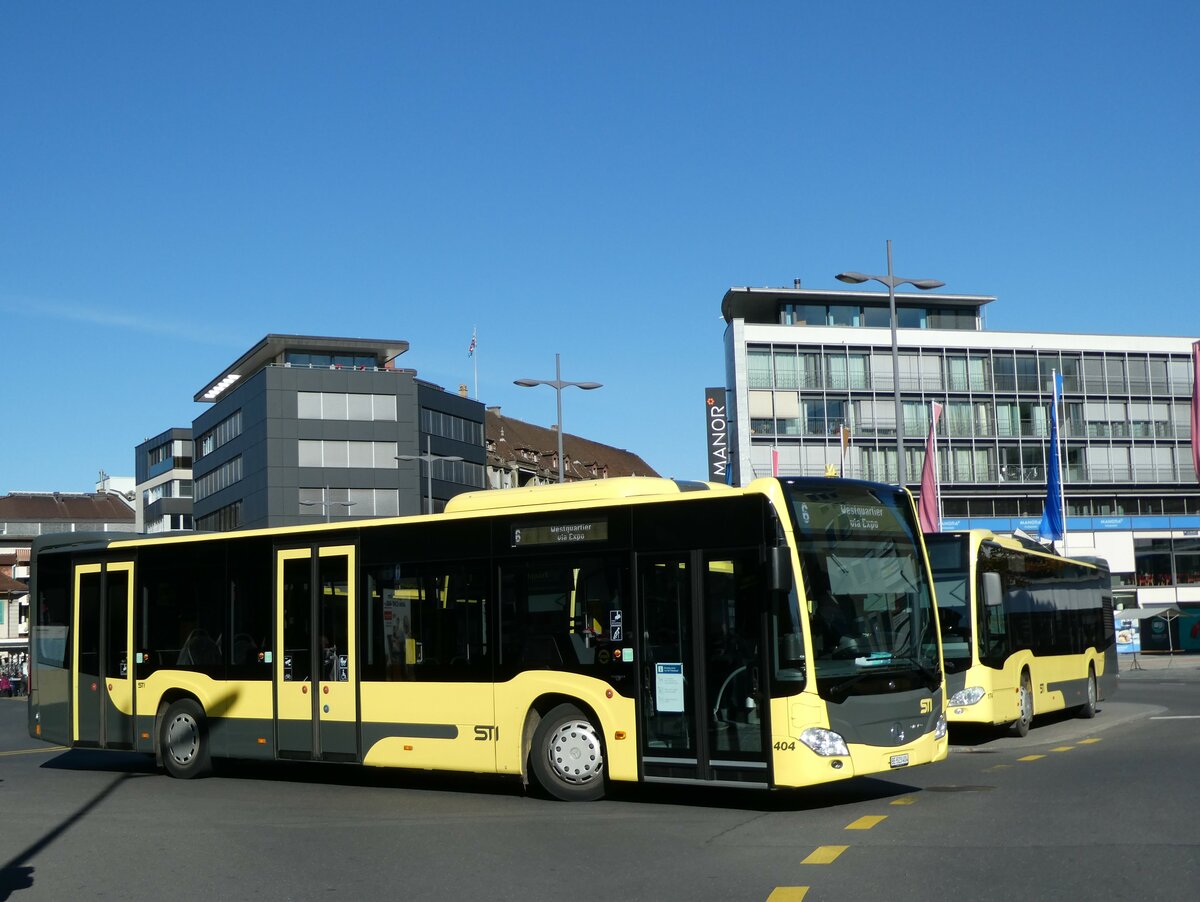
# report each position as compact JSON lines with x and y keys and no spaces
{"x":531,"y":498}
{"x":1013,"y":544}
{"x":590,"y":490}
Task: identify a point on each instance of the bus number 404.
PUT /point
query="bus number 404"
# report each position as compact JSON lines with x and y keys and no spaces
{"x":486,"y":732}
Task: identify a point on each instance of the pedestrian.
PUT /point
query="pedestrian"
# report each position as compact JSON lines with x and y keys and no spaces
{"x":5,"y":686}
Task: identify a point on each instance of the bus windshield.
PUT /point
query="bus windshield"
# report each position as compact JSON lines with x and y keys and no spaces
{"x":870,"y":602}
{"x":951,"y":572}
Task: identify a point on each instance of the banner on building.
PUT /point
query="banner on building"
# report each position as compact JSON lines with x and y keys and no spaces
{"x":717,"y":415}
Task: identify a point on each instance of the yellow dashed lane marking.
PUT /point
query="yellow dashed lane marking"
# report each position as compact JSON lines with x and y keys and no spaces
{"x":1089,"y":741}
{"x":1031,"y":757}
{"x":866,"y":822}
{"x":49,"y":748}
{"x":787,"y":894}
{"x":998,"y":767}
{"x":907,"y":800}
{"x":824,"y":854}
{"x":1063,"y":748}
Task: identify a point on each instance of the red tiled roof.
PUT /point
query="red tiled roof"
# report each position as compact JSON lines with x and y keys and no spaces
{"x":10,"y":586}
{"x":510,"y":440}
{"x":48,"y":506}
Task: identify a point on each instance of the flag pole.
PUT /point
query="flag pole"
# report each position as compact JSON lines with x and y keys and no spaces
{"x":937,"y":474}
{"x":475,"y":358}
{"x":1062,"y":457}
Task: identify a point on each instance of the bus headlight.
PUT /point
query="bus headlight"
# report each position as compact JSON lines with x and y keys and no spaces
{"x":964,"y":697}
{"x":825,"y":743}
{"x":939,"y":729}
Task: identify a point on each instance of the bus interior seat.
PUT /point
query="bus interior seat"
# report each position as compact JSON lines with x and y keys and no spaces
{"x":245,"y":649}
{"x":199,"y":650}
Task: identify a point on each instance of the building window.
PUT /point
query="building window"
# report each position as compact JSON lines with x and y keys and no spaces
{"x":357,"y":407}
{"x":221,"y":478}
{"x":226,"y":430}
{"x":758,"y":368}
{"x":446,"y":425}
{"x":330,"y":361}
{"x":173,"y":488}
{"x":337,"y":453}
{"x":337,"y":502}
{"x":222,"y":520}
{"x":462,"y":472}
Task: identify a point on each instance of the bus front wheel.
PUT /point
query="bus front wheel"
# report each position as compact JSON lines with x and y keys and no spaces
{"x":1088,"y":709}
{"x":184,"y":740}
{"x":567,"y":756}
{"x":1020,"y":726}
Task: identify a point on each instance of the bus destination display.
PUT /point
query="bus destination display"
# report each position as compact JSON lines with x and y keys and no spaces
{"x":560,"y":533}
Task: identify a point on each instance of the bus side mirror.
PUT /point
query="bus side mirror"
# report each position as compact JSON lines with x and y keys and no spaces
{"x":993,"y":592}
{"x":779,"y":560}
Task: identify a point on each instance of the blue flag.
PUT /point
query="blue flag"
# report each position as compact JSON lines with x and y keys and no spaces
{"x":1053,"y":524}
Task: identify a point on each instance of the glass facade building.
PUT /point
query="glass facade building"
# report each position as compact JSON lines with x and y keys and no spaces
{"x":804,"y":365}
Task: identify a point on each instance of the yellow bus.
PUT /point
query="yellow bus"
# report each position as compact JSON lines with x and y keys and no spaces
{"x":1024,"y":631}
{"x":778,"y":635}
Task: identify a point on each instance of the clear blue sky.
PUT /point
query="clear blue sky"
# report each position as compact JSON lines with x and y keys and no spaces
{"x":177,"y":180}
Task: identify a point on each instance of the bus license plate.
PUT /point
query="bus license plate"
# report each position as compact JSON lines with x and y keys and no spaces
{"x":898,"y":760}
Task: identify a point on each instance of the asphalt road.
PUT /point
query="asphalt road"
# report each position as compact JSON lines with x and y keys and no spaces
{"x":1100,"y":809}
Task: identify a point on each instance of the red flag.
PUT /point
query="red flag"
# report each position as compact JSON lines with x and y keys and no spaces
{"x":927,"y":507}
{"x":1196,"y":407}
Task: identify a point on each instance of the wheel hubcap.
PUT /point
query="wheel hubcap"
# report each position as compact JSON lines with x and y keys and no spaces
{"x":1026,"y":704}
{"x":574,"y":752}
{"x":1091,"y":690}
{"x":183,"y":739}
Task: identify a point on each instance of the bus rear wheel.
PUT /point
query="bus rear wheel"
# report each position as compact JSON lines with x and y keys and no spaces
{"x":1088,"y":709}
{"x":567,"y":756}
{"x":183,"y":740}
{"x":1020,"y":726}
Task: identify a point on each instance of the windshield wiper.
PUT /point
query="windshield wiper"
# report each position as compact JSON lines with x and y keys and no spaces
{"x":932,"y":677}
{"x":843,"y":687}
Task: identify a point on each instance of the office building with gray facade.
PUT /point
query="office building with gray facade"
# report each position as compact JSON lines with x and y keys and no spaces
{"x":306,"y":428}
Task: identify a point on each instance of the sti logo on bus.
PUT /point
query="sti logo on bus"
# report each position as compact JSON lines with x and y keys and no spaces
{"x":926,"y":706}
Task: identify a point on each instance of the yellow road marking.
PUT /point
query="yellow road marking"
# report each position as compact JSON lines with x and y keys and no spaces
{"x":997,"y":767}
{"x":49,"y":748}
{"x":1089,"y":741}
{"x":907,"y":800}
{"x":1031,"y":757}
{"x":1063,"y":748}
{"x":866,"y":822}
{"x":824,"y":854}
{"x":787,"y":894}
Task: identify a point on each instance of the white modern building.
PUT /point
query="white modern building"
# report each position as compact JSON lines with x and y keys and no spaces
{"x":805,"y":365}
{"x":163,"y":490}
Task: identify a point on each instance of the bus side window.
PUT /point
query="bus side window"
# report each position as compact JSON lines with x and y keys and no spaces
{"x":427,"y":622}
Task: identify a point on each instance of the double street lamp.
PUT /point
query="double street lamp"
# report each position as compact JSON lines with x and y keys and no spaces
{"x":891,"y":281}
{"x":558,"y":385}
{"x":429,"y":457}
{"x":326,"y":504}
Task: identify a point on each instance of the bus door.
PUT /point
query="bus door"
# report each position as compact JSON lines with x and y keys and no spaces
{"x":102,"y":623}
{"x":316,"y":686}
{"x":702,"y":705}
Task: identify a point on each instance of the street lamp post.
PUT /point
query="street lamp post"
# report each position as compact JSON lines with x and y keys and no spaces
{"x":429,"y":457}
{"x":326,"y":504}
{"x":891,"y":281}
{"x":558,"y":385}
